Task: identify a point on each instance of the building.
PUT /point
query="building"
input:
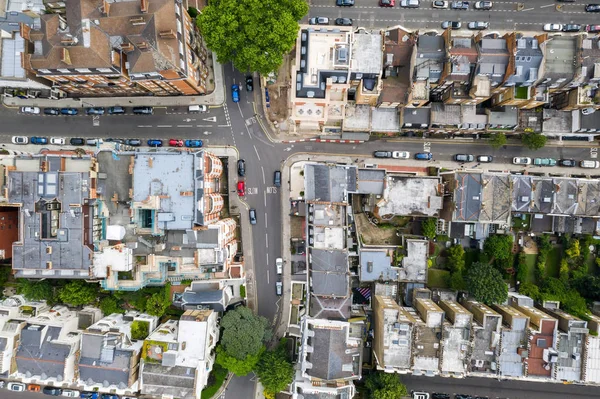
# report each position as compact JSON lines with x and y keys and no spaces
{"x":328,"y":273}
{"x":514,"y":336}
{"x":329,"y":183}
{"x":123,"y":48}
{"x":9,"y":231}
{"x":215,"y":295}
{"x":410,"y":196}
{"x":591,"y":352}
{"x":399,"y":46}
{"x":486,"y":337}
{"x":429,"y":62}
{"x":393,"y":329}
{"x":561,"y":63}
{"x":492,"y":69}
{"x":178,"y":357}
{"x":427,"y":333}
{"x":456,"y":339}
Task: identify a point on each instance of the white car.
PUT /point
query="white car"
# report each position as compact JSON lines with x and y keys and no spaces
{"x":483,"y":5}
{"x":30,"y":110}
{"x":58,"y":140}
{"x":20,"y":140}
{"x":553,"y":27}
{"x":588,"y":111}
{"x":15,"y":386}
{"x":420,"y":395}
{"x":279,"y":264}
{"x":522,"y":161}
{"x":70,"y":393}
{"x":439,"y":4}
{"x":401,"y":154}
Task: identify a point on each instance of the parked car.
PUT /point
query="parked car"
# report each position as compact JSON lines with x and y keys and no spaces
{"x":252,"y":215}
{"x":154,"y":143}
{"x":590,"y":164}
{"x":70,"y":393}
{"x":89,"y":395}
{"x":193,"y":143}
{"x":111,"y":140}
{"x":419,"y":395}
{"x":485,"y":158}
{"x":241,"y":168}
{"x":116,"y":110}
{"x":235,"y":93}
{"x":522,"y":161}
{"x":30,"y":110}
{"x":53,"y":391}
{"x":588,"y":110}
{"x":571,"y":28}
{"x":279,"y":265}
{"x":423,"y":156}
{"x":592,"y":28}
{"x":454,"y":25}
{"x":69,"y":111}
{"x":277,"y":178}
{"x":77,"y":141}
{"x":95,"y":111}
{"x":592,"y":8}
{"x":317,"y":21}
{"x":38,"y":140}
{"x":343,"y":21}
{"x":387,"y":3}
{"x":279,"y":288}
{"x":553,"y":27}
{"x":51,"y":111}
{"x":249,"y":83}
{"x":459,"y":5}
{"x":20,"y":140}
{"x":175,"y":143}
{"x":478,"y":25}
{"x":241,"y":188}
{"x":109,"y":396}
{"x":93,"y":142}
{"x":382,"y":154}
{"x":544,"y":161}
{"x":439,"y":4}
{"x":464,"y":158}
{"x":569,"y":163}
{"x":34,"y":388}
{"x":133,"y":142}
{"x":410,"y":3}
{"x":440,"y":396}
{"x":401,"y":155}
{"x":483,"y":5}
{"x":143,"y":110}
{"x":344,"y":3}
{"x":199,"y":108}
{"x":58,"y":140}
{"x":15,"y":386}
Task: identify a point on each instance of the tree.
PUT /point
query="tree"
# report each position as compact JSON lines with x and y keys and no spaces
{"x":35,"y":290}
{"x":140,"y":329}
{"x":275,"y":369}
{"x":534,"y":141}
{"x":522,"y":272}
{"x":244,"y":333}
{"x":239,"y":367}
{"x":531,"y":290}
{"x":457,"y":281}
{"x":498,"y":140}
{"x":543,"y":243}
{"x":498,"y":246}
{"x":564,"y":271}
{"x":110,"y":305}
{"x":456,"y":258}
{"x":382,"y":385}
{"x":429,"y":227}
{"x":157,"y":305}
{"x":253,"y":34}
{"x":78,"y":292}
{"x":485,"y":283}
{"x":573,"y":251}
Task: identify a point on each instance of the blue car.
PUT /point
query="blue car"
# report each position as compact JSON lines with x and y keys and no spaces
{"x":193,"y":143}
{"x":235,"y":93}
{"x":69,"y":111}
{"x":109,"y":396}
{"x":424,"y":156}
{"x":95,"y":111}
{"x":39,"y":140}
{"x":155,"y":143}
{"x":89,"y":395}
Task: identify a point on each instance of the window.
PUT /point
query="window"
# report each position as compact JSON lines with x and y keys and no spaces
{"x":61,"y":70}
{"x":83,"y":70}
{"x":104,"y":70}
{"x":44,"y":71}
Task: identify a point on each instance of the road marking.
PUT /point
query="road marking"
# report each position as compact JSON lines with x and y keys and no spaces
{"x":267,"y":274}
{"x":265,"y":199}
{"x":144,"y":126}
{"x":267,"y":238}
{"x":263,"y":174}
{"x":272,"y":190}
{"x":527,"y":9}
{"x":594,"y":152}
{"x":548,"y":5}
{"x":205,"y":126}
{"x":427,"y":146}
{"x":210,"y":119}
{"x":164,"y":125}
{"x":221,"y":126}
{"x":255,"y":150}
{"x":184,"y":126}
{"x":267,"y":259}
{"x":267,"y":225}
{"x":96,"y":120}
{"x":251,"y":190}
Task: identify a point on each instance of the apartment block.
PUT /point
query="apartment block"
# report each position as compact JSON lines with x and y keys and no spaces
{"x":486,"y":337}
{"x":122,"y":48}
{"x":9,"y":231}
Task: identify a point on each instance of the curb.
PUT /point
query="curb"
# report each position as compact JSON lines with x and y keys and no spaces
{"x":324,"y":141}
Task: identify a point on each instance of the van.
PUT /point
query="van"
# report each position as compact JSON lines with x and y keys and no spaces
{"x":590,"y":164}
{"x":142,"y":110}
{"x":197,"y":108}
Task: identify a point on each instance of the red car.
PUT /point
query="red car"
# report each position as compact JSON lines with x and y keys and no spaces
{"x":176,"y":143}
{"x":241,"y":188}
{"x":592,"y":28}
{"x":387,"y":3}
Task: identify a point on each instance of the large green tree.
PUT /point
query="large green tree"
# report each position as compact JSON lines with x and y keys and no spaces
{"x":35,"y":290}
{"x":498,"y":246}
{"x":244,"y":333}
{"x":78,"y":292}
{"x":110,"y":305}
{"x":534,"y":141}
{"x":429,"y":227}
{"x":275,"y":369}
{"x":140,"y":329}
{"x":497,"y":140}
{"x":382,"y":385}
{"x":239,"y":367}
{"x":253,"y":34}
{"x":485,"y":283}
{"x":456,"y":258}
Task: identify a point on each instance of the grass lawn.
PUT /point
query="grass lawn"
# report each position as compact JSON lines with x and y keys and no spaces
{"x":553,"y":262}
{"x":520,"y":224}
{"x":437,"y":278}
{"x":215,"y":380}
{"x":530,"y":260}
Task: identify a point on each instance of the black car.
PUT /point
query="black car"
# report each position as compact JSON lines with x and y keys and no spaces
{"x":241,"y":165}
{"x":343,"y":21}
{"x":277,"y":178}
{"x":249,"y":83}
{"x":462,"y":396}
{"x":592,"y":8}
{"x":142,"y":110}
{"x":382,"y":154}
{"x":344,"y":3}
{"x":133,"y":142}
{"x":571,"y":28}
{"x":51,"y":111}
{"x":52,"y":391}
{"x":569,"y":163}
{"x":440,"y":396}
{"x":77,"y":141}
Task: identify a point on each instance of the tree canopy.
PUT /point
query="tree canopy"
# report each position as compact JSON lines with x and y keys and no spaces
{"x":456,"y":258}
{"x":382,"y":385}
{"x":34,"y":290}
{"x":498,"y":140}
{"x":157,"y":304}
{"x":239,"y":367}
{"x":486,"y":284}
{"x":78,"y":292}
{"x":498,"y":246}
{"x":429,"y":227}
{"x":275,"y":369}
{"x":140,"y":329}
{"x":244,"y":333}
{"x":253,"y":34}
{"x":534,"y":141}
{"x":110,"y":305}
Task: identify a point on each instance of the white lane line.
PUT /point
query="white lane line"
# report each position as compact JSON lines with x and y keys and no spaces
{"x":206,"y":126}
{"x":144,"y":125}
{"x":265,"y":198}
{"x":527,"y":9}
{"x":266,"y":239}
{"x":266,"y":222}
{"x":164,"y":125}
{"x":185,"y":126}
{"x":220,"y":126}
{"x":256,"y":151}
{"x":263,"y":173}
{"x":548,"y":5}
{"x":267,"y":275}
{"x":267,"y":258}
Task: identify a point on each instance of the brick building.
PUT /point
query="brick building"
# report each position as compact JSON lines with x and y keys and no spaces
{"x":9,"y":231}
{"x":118,"y":48}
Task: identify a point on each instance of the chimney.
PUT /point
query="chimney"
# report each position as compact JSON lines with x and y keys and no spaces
{"x":64,"y":56}
{"x":126,"y":47}
{"x":105,"y":8}
{"x":67,"y":40}
{"x":167,"y":34}
{"x":142,"y":45}
{"x":24,"y":31}
{"x":144,"y":6}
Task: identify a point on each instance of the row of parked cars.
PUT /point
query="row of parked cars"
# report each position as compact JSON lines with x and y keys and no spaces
{"x":571,"y":28}
{"x":78,"y":141}
{"x":422,"y":156}
{"x":55,"y":391}
{"x":88,"y":111}
{"x":569,"y":163}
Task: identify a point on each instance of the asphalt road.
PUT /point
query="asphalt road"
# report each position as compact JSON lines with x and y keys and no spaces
{"x":493,"y":388}
{"x":502,"y":17}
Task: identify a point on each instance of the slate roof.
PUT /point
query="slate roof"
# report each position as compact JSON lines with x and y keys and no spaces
{"x":416,"y":116}
{"x":176,"y":381}
{"x":329,"y":272}
{"x":102,"y":360}
{"x":493,"y":59}
{"x":329,"y":183}
{"x":467,"y":197}
{"x":528,"y":60}
{"x":39,"y":355}
{"x":329,"y":354}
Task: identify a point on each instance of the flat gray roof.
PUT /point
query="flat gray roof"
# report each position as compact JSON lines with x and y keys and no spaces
{"x":329,"y":272}
{"x":376,"y":265}
{"x":329,"y":183}
{"x":367,"y":54}
{"x":410,"y":196}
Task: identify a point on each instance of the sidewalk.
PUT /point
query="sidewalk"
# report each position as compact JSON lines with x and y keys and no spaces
{"x":216,"y":98}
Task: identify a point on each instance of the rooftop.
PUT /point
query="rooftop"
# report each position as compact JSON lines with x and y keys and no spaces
{"x":493,"y":59}
{"x":329,"y":183}
{"x":367,"y":57}
{"x":414,"y":264}
{"x":528,"y":60}
{"x":560,"y":59}
{"x":418,"y":118}
{"x":329,"y":273}
{"x":431,"y":52}
{"x":375,"y":265}
{"x":410,"y":196}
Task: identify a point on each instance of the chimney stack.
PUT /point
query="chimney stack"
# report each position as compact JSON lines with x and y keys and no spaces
{"x":144,"y":6}
{"x":64,"y":56}
{"x":105,"y":8}
{"x":126,"y":47}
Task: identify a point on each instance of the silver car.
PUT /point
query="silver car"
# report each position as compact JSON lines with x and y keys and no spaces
{"x":522,"y":161}
{"x":318,"y":21}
